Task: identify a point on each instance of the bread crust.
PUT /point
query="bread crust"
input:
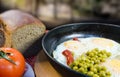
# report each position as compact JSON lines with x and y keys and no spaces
{"x":14,"y":19}
{"x":7,"y":41}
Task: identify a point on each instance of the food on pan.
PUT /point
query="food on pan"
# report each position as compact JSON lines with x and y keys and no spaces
{"x":12,"y":63}
{"x":89,"y":63}
{"x":19,"y":29}
{"x":90,"y":56}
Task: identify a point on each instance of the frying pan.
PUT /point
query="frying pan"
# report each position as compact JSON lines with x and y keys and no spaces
{"x":80,"y":30}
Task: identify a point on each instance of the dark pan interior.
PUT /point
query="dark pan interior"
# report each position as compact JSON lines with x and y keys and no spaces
{"x":82,"y":30}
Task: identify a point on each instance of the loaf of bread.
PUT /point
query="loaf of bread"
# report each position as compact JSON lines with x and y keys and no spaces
{"x":20,"y":30}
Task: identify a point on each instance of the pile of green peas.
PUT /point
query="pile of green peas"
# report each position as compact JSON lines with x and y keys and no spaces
{"x":89,"y":63}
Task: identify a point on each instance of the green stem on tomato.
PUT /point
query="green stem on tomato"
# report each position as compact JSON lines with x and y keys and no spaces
{"x":5,"y":56}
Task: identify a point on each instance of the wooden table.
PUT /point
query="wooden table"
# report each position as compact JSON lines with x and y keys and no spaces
{"x":43,"y":68}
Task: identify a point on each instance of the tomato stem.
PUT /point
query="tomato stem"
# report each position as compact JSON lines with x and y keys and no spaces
{"x":5,"y":56}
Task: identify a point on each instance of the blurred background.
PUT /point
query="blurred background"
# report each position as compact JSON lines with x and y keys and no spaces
{"x":57,"y":12}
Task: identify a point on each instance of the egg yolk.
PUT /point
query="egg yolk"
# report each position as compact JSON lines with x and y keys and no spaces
{"x":115,"y":64}
{"x":102,"y":42}
{"x":72,"y":45}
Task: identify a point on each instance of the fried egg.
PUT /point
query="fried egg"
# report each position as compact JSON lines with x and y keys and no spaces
{"x":113,"y":65}
{"x":82,"y":45}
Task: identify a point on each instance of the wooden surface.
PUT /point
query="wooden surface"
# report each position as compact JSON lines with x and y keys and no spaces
{"x":43,"y":68}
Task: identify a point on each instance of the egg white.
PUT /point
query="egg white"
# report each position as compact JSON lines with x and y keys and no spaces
{"x":84,"y":45}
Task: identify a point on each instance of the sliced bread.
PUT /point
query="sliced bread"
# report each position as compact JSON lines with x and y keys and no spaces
{"x":22,"y":28}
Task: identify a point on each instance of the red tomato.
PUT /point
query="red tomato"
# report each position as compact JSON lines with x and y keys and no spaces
{"x":68,"y":56}
{"x":14,"y":66}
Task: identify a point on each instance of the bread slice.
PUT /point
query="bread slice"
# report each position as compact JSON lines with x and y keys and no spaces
{"x":23,"y":29}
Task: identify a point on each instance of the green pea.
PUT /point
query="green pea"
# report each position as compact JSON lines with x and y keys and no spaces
{"x":96,"y":56}
{"x":102,"y":60}
{"x":90,"y":73}
{"x":85,"y":66}
{"x":102,"y":74}
{"x":97,"y":61}
{"x":75,"y":68}
{"x":96,"y":49}
{"x":89,"y":66}
{"x":91,"y":54}
{"x":93,"y":69}
{"x":98,"y":68}
{"x":103,"y":51}
{"x":95,"y":52}
{"x":103,"y":68}
{"x":82,"y":56}
{"x":81,"y":69}
{"x":76,"y":62}
{"x":108,"y":73}
{"x":87,"y":60}
{"x":88,"y":53}
{"x":88,"y":57}
{"x":80,"y":64}
{"x":107,"y":76}
{"x":95,"y":75}
{"x":104,"y":56}
{"x":100,"y":55}
{"x":71,"y":65}
{"x":92,"y":62}
{"x":108,"y":54}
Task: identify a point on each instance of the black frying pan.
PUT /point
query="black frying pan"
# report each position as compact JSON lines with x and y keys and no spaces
{"x":84,"y":30}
